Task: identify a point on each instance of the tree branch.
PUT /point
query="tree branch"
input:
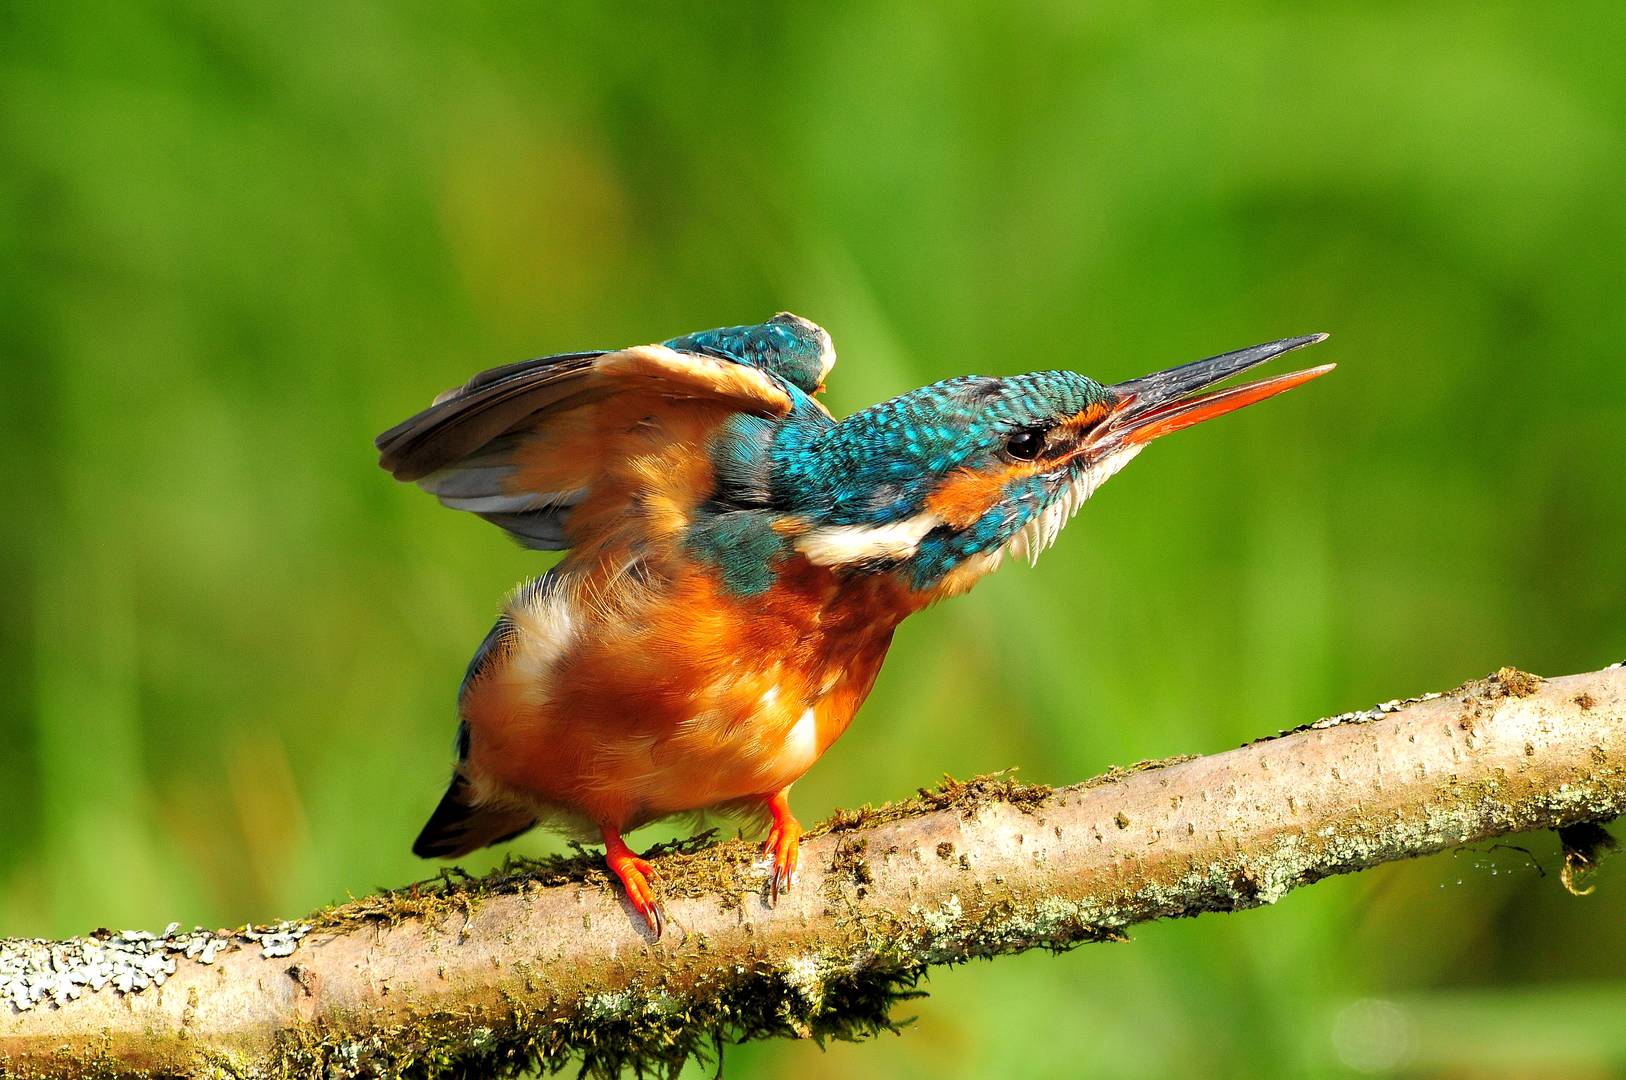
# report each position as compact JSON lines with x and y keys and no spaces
{"x":540,"y":963}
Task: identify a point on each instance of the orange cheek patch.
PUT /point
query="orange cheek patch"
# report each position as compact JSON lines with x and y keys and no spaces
{"x":966,"y":496}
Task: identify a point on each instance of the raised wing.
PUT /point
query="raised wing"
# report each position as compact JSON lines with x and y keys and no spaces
{"x":533,"y":446}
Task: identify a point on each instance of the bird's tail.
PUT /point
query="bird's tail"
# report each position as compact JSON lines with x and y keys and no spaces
{"x":459,"y":826}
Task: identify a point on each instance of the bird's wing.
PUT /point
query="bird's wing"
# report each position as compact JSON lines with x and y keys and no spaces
{"x":541,"y":446}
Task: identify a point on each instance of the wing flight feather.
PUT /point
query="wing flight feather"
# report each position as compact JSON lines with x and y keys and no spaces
{"x":522,"y":445}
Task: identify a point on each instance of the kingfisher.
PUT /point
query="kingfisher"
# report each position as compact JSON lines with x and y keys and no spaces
{"x":737,"y":560}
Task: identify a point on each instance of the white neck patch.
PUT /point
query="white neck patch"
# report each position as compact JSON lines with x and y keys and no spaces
{"x":842,"y":545}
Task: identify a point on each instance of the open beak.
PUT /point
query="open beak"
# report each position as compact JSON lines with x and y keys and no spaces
{"x":1167,"y":401}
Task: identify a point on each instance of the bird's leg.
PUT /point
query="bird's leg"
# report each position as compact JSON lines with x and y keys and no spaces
{"x":783,"y":843}
{"x":635,"y":874}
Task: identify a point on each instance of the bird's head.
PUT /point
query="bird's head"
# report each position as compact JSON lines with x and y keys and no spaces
{"x":938,"y":485}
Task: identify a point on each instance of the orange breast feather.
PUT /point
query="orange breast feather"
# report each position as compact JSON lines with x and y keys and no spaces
{"x":622,"y":702}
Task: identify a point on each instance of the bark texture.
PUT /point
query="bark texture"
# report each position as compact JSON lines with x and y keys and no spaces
{"x":543,"y":965}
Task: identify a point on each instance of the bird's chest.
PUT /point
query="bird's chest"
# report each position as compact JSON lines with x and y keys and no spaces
{"x":683,"y":696}
{"x":699,"y":695}
{"x":773,"y":680}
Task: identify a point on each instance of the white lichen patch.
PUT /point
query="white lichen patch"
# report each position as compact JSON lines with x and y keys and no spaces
{"x":613,"y":1005}
{"x":943,"y":918}
{"x":1055,"y":917}
{"x":347,"y":1057}
{"x":660,"y":1003}
{"x":804,"y":975}
{"x":33,"y":970}
{"x":949,"y":934}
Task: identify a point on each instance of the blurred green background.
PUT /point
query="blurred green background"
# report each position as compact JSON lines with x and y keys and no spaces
{"x":237,"y":240}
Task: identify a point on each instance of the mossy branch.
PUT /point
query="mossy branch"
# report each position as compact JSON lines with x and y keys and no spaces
{"x":541,"y":963}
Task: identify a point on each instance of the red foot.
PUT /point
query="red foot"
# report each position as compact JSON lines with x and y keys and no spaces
{"x":784,"y":843}
{"x":635,"y":874}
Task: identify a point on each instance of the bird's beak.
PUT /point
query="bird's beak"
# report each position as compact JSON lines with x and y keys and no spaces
{"x":1163,"y":402}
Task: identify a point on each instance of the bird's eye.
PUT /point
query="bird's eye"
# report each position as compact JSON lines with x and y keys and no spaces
{"x":1025,"y":445}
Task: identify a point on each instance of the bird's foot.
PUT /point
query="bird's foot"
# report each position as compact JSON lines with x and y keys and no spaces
{"x":784,"y":844}
{"x":636,"y":875}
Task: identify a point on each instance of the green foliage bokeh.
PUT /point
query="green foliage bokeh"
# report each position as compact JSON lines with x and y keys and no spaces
{"x":237,"y":240}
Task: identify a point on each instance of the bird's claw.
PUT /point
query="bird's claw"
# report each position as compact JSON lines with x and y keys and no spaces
{"x":784,"y":844}
{"x":636,"y":876}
